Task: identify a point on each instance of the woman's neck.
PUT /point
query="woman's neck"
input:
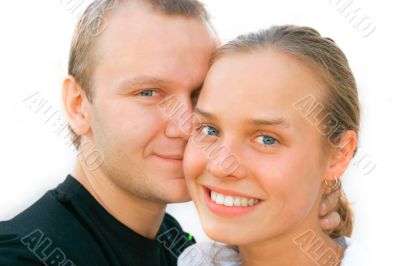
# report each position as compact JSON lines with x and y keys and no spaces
{"x":307,"y":245}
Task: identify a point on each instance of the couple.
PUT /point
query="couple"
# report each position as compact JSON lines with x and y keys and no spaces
{"x":282,"y":101}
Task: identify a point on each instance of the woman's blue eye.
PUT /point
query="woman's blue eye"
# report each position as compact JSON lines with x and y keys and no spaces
{"x":147,"y":93}
{"x":210,"y":131}
{"x":266,"y":140}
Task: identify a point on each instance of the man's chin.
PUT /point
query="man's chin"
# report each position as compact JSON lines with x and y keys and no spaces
{"x":182,"y":199}
{"x":176,"y":192}
{"x":178,"y":198}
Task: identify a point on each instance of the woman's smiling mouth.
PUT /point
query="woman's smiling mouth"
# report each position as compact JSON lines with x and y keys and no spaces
{"x":229,"y":203}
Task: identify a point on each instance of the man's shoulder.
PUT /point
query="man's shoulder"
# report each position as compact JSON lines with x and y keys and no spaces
{"x":170,"y":224}
{"x":48,"y":214}
{"x":37,"y":235}
{"x":169,"y":221}
{"x":173,"y":238}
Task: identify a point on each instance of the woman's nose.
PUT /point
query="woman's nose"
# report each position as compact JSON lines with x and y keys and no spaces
{"x":226,"y":163}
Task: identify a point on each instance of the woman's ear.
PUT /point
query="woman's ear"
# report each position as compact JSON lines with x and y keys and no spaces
{"x":340,"y":155}
{"x":76,"y":105}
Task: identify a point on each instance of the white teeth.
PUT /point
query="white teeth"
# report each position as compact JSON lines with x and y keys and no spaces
{"x":219,"y":199}
{"x":243,"y":202}
{"x":236,"y":202}
{"x":250,"y":202}
{"x":213,"y":196}
{"x":232,"y":201}
{"x":228,"y":201}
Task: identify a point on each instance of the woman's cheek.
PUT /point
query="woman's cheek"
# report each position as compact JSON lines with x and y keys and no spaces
{"x":194,"y":161}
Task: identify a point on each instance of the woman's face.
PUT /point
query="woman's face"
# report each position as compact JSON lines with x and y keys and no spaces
{"x":271,"y":183}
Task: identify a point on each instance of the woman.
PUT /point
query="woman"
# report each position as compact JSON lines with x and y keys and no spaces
{"x":281,"y":105}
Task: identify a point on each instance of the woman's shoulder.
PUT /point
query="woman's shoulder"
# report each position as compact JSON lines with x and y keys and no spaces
{"x":209,"y":254}
{"x":223,"y":255}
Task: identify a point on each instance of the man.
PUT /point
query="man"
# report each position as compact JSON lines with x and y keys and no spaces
{"x":126,"y":58}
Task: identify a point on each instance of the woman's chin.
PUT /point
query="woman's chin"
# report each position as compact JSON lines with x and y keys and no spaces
{"x":230,"y":235}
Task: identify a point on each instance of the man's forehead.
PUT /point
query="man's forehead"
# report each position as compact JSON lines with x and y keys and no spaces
{"x":145,"y":47}
{"x":140,"y":18}
{"x":146,"y":32}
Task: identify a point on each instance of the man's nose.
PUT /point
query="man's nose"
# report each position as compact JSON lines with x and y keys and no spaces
{"x":179,"y":118}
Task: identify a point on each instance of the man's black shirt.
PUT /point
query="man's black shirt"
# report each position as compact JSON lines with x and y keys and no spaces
{"x":67,"y":226}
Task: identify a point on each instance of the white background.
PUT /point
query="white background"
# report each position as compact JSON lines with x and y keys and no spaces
{"x":34,"y":46}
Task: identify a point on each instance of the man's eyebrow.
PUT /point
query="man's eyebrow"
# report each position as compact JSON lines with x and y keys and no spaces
{"x":139,"y":80}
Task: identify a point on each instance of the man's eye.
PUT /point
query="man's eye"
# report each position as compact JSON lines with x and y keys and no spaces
{"x":147,"y":93}
{"x":266,"y":140}
{"x":208,"y":130}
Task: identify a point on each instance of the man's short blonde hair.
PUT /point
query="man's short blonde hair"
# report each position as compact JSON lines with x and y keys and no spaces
{"x":92,"y":22}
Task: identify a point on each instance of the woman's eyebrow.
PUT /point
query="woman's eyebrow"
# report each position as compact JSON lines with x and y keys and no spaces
{"x":281,"y":122}
{"x":204,"y":113}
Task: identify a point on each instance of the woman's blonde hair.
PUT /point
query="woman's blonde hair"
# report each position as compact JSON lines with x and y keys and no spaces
{"x":331,"y":65}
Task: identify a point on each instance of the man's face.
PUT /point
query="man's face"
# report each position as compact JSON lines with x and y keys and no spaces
{"x":143,"y":58}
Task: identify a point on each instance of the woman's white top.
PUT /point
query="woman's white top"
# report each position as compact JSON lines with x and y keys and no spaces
{"x":215,"y":254}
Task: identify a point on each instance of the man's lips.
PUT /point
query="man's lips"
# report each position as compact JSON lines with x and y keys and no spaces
{"x":177,"y":157}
